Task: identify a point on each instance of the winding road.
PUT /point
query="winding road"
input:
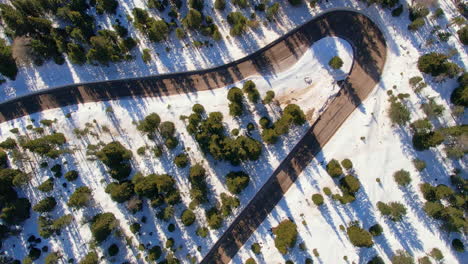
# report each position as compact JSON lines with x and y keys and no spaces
{"x":370,"y":52}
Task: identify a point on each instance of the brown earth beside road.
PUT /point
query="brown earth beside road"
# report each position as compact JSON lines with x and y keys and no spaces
{"x":370,"y":52}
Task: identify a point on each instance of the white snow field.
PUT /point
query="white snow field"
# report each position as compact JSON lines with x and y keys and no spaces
{"x":310,"y":83}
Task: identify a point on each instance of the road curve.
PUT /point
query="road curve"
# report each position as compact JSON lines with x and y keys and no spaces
{"x":271,"y":59}
{"x":370,"y":52}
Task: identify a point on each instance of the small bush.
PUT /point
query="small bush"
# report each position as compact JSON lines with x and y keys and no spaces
{"x":46,"y":186}
{"x":397,"y":11}
{"x":347,"y":164}
{"x":120,"y":192}
{"x":416,"y":24}
{"x":102,"y":226}
{"x":334,"y":169}
{"x":135,"y":228}
{"x":359,"y":237}
{"x":237,"y":181}
{"x":350,"y":184}
{"x":376,"y":260}
{"x":154,"y":253}
{"x":220,"y":4}
{"x":336,"y":62}
{"x":90,"y":258}
{"x":317,"y":199}
{"x":402,"y":257}
{"x":117,"y":158}
{"x":270,"y":95}
{"x":80,"y":197}
{"x":45,"y":205}
{"x":436,"y":254}
{"x":457,"y":244}
{"x":113,"y":250}
{"x":399,"y":113}
{"x":71,"y":175}
{"x":424,"y":260}
{"x":420,"y":165}
{"x":181,"y":160}
{"x":52,"y":258}
{"x":250,"y":261}
{"x":198,"y":108}
{"x":402,"y":177}
{"x":202,"y":231}
{"x":256,"y":248}
{"x":376,"y":230}
{"x":463,"y":35}
{"x":285,"y":236}
{"x":188,"y":217}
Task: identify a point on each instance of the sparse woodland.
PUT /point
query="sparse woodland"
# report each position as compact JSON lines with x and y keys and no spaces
{"x":154,"y":214}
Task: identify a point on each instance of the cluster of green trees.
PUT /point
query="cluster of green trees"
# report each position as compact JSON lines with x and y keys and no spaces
{"x":8,"y":66}
{"x":292,"y":115}
{"x":80,"y":197}
{"x":460,"y":94}
{"x":47,"y":145}
{"x":238,"y":23}
{"x":398,"y":112}
{"x":77,"y":36}
{"x":151,"y":124}
{"x":348,"y":184}
{"x":117,"y":158}
{"x":424,"y":136}
{"x":395,"y":211}
{"x":236,"y":98}
{"x":417,"y":14}
{"x":437,"y":64}
{"x":463,"y":35}
{"x":358,"y":236}
{"x":447,"y":203}
{"x":155,"y":30}
{"x":102,"y":225}
{"x":285,"y":236}
{"x":48,"y":227}
{"x":216,"y":214}
{"x":199,"y":190}
{"x":13,"y":209}
{"x":45,"y":205}
{"x":159,"y":188}
{"x":210,"y":134}
{"x":237,"y":181}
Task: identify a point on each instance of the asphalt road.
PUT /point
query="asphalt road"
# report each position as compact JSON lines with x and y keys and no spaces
{"x":370,"y":52}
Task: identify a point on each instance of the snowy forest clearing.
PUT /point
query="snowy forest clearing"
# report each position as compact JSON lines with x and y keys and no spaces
{"x":120,"y":126}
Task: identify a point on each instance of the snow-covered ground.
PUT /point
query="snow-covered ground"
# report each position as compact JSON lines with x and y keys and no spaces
{"x":383,"y":149}
{"x":377,"y":149}
{"x":310,"y":83}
